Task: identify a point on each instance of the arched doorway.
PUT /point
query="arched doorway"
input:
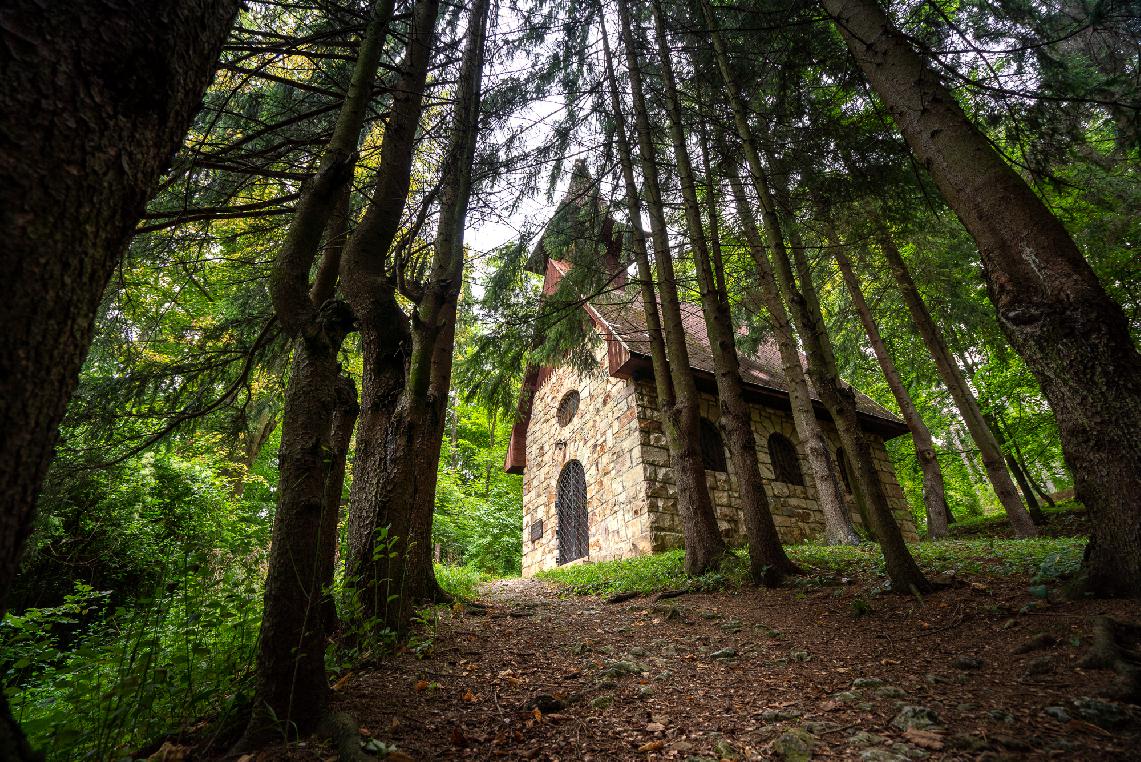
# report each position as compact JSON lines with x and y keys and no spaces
{"x":570,"y":505}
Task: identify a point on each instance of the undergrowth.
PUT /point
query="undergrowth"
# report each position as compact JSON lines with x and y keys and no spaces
{"x":460,"y":582}
{"x":1045,"y":558}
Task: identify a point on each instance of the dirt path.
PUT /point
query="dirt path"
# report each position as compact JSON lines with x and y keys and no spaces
{"x":749,"y":675}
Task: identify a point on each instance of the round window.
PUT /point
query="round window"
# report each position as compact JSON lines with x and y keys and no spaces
{"x":568,"y":406}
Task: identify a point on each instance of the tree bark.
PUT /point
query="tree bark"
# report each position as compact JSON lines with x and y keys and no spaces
{"x":95,"y":101}
{"x":369,"y":283}
{"x":956,"y":382}
{"x":345,"y":411}
{"x":768,"y":563}
{"x":291,"y":688}
{"x":1050,"y":305}
{"x":415,"y":430}
{"x":838,"y":528}
{"x":838,"y":399}
{"x":704,"y":546}
{"x":829,"y":492}
{"x":934,"y":497}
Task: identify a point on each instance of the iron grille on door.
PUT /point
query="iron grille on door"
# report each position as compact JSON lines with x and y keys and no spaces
{"x":570,"y":505}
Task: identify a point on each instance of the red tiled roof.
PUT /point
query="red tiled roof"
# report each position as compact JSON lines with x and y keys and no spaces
{"x":625,"y":322}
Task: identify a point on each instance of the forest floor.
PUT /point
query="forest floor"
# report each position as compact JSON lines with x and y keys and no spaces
{"x":984,"y":669}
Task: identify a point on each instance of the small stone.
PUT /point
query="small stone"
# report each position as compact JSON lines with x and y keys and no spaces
{"x":1059,"y":713}
{"x":880,"y":755}
{"x":663,"y":676}
{"x":845,"y":696}
{"x":622,"y":667}
{"x":966,"y":662}
{"x":732,"y":625}
{"x":890,"y":691}
{"x":967,"y":707}
{"x":908,"y":752}
{"x":725,"y":653}
{"x":645,"y":691}
{"x":602,"y":702}
{"x":919,"y":717}
{"x":1101,"y":713}
{"x":1001,"y":715}
{"x":794,"y":745}
{"x":867,"y":682}
{"x":637,"y":651}
{"x":864,"y":738}
{"x":935,"y":678}
{"x":725,"y":750}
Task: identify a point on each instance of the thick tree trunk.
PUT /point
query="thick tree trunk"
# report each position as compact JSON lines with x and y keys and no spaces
{"x":956,"y":382}
{"x":369,"y":283}
{"x":95,"y":101}
{"x":768,"y":563}
{"x":1049,"y":302}
{"x":704,"y":545}
{"x":404,"y":575}
{"x":291,"y":688}
{"x":291,"y":685}
{"x":345,"y":413}
{"x":838,"y":528}
{"x":934,"y":497}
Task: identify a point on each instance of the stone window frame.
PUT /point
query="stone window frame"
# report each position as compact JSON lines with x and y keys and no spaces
{"x":568,"y":407}
{"x":785,"y":460}
{"x":712,"y":447}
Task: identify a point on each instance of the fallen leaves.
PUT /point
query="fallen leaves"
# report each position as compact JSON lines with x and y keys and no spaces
{"x":652,"y":746}
{"x":925,"y":739}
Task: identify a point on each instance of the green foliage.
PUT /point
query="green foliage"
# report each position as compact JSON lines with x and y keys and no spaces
{"x":151,"y":624}
{"x":665,"y":571}
{"x":479,"y":508}
{"x":460,"y":582}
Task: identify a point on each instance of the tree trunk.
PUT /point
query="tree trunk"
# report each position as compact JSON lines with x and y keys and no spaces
{"x":414,"y":436}
{"x":1016,"y":471}
{"x":386,"y":337}
{"x":291,"y":689}
{"x":838,"y":399}
{"x":345,"y":411}
{"x":934,"y":497}
{"x":837,"y":527}
{"x":681,"y":421}
{"x":768,"y":563}
{"x":95,"y":101}
{"x":956,"y":382}
{"x":1057,"y":316}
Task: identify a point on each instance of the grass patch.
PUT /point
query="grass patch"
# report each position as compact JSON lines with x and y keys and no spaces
{"x":460,"y":581}
{"x":1063,"y":514}
{"x":1044,"y":557}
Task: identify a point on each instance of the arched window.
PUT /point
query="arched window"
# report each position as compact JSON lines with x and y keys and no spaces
{"x":568,"y":406}
{"x":570,"y":506}
{"x":844,"y":467}
{"x":712,"y":449}
{"x":786,"y":464}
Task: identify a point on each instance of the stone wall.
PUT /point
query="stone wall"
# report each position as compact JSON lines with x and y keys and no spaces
{"x":604,"y":437}
{"x":794,"y":507}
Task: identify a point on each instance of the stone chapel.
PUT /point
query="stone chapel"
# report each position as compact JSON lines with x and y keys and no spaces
{"x":597,"y":482}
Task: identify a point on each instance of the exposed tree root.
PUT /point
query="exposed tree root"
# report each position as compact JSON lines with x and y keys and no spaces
{"x":1115,"y":647}
{"x":344,"y":732}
